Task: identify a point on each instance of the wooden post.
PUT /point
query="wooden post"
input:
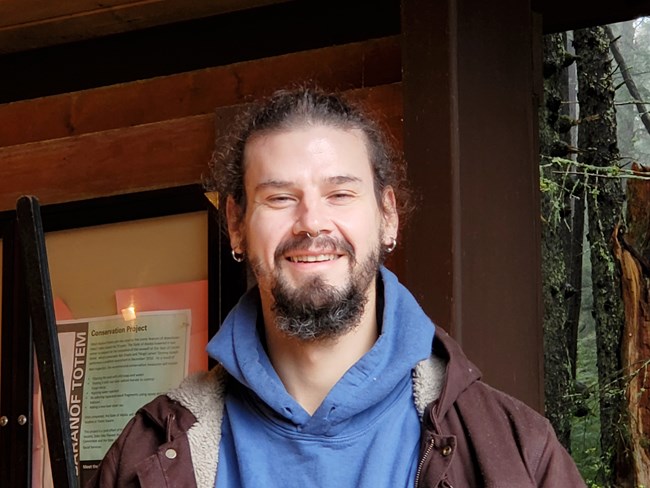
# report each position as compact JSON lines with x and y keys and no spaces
{"x":473,"y":247}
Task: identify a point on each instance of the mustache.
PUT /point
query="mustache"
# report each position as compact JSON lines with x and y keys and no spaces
{"x":322,"y":243}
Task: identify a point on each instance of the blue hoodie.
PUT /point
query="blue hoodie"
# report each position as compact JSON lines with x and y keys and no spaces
{"x":365,"y":433}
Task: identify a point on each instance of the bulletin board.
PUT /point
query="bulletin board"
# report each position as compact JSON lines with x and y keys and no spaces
{"x":132,"y":278}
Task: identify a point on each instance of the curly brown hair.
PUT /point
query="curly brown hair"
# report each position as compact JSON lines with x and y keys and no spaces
{"x":296,"y":108}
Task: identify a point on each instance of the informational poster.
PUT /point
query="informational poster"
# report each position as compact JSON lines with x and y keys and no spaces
{"x":172,"y":296}
{"x":115,"y":386}
{"x":113,"y":366}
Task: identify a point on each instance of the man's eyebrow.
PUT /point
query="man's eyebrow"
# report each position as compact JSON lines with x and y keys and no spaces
{"x":342,"y":179}
{"x":272,"y":184}
{"x":332,"y":180}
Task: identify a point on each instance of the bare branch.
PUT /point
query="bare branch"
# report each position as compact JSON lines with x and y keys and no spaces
{"x":631,"y":102}
{"x":629,"y":82}
{"x":599,"y":175}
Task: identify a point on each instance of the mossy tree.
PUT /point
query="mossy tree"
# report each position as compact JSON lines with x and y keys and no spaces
{"x":558,"y":214}
{"x":604,"y":194}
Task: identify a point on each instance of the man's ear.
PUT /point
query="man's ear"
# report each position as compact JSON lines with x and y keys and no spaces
{"x":389,"y":213}
{"x":235,"y":218}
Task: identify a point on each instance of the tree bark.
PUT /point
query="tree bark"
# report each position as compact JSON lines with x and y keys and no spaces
{"x":558,"y":384}
{"x":626,"y":112}
{"x":574,"y":232}
{"x":598,"y":147}
{"x":633,"y":254}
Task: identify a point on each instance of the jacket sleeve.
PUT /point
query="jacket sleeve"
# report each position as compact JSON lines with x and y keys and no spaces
{"x":507,"y":440}
{"x":152,"y":450}
{"x":556,"y":467}
{"x":113,"y":471}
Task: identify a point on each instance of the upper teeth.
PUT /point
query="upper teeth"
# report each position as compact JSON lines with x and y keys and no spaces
{"x":311,"y":259}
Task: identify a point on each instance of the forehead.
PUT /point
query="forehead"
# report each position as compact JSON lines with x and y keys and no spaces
{"x":307,"y":152}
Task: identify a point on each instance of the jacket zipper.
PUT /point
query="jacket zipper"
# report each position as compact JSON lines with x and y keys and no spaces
{"x":434,"y":417}
{"x":424,"y":458}
{"x":430,"y":446}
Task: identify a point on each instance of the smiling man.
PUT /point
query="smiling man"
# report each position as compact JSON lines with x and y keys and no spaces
{"x":330,"y":374}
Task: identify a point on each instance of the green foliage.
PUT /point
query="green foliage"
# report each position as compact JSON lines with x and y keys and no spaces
{"x":573,"y":175}
{"x":599,"y":183}
{"x":585,"y":432}
{"x":585,"y":437}
{"x":569,"y":168}
{"x":554,"y":189}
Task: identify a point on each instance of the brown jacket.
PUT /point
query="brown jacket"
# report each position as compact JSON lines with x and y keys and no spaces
{"x":472,"y":434}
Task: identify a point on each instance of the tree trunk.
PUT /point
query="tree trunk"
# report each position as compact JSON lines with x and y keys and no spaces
{"x":633,"y":253}
{"x":627,"y":113}
{"x":604,"y":200}
{"x":556,"y":211}
{"x":573,"y":232}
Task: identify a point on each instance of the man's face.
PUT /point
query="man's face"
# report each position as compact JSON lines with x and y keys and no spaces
{"x":315,"y":180}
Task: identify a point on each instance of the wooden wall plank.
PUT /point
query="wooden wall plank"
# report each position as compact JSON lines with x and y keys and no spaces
{"x":367,"y":63}
{"x":37,"y":23}
{"x":16,"y":14}
{"x":157,"y":155}
{"x":116,"y":161}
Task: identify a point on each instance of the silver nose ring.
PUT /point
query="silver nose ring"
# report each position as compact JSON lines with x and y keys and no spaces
{"x":312,"y":236}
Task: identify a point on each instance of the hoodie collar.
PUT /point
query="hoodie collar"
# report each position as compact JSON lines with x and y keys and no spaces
{"x":405,"y":339}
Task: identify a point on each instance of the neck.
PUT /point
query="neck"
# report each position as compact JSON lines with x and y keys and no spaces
{"x":309,"y":370}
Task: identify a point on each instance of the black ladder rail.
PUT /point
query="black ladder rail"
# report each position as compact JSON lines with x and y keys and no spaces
{"x":46,"y":343}
{"x":16,"y":366}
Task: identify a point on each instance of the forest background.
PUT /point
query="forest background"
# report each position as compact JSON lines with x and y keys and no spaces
{"x":595,"y":181}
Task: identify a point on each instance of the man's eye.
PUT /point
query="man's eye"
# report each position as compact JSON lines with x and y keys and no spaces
{"x":280,"y":200}
{"x":341,"y":197}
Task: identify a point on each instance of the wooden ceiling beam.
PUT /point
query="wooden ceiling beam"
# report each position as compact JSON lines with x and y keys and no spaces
{"x":130,"y":159}
{"x":560,"y":15}
{"x":30,"y":24}
{"x":367,"y":63}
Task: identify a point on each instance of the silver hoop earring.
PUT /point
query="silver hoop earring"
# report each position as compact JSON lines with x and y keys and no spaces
{"x":238,"y":256}
{"x":391,"y":247}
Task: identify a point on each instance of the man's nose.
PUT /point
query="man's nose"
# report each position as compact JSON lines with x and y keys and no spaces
{"x":312,"y":217}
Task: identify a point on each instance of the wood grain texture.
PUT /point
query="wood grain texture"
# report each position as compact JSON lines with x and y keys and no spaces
{"x":36,"y":23}
{"x":632,"y":250}
{"x":157,"y":155}
{"x":355,"y":65}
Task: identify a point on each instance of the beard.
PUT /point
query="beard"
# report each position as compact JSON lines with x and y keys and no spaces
{"x":317,"y":310}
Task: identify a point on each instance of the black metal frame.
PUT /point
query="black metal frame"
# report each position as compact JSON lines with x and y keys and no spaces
{"x":35,"y":270}
{"x":16,"y":367}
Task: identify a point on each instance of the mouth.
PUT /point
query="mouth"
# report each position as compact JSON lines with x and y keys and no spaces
{"x":307,"y":254}
{"x":317,"y":258}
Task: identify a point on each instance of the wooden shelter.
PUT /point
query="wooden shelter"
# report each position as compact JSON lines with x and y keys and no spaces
{"x":124,"y":97}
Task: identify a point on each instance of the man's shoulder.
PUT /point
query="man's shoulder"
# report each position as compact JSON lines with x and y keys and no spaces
{"x":493,"y":401}
{"x":489,"y":414}
{"x":491,"y":417}
{"x":195,"y":396}
{"x":201,"y":392}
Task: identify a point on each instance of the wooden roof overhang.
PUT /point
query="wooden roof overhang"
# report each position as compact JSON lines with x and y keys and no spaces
{"x":32,"y":24}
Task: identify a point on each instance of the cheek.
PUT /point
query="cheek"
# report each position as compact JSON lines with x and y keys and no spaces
{"x":264,"y":233}
{"x":361,"y":229}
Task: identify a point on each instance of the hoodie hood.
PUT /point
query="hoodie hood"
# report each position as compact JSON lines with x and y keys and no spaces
{"x":405,"y":339}
{"x":460,"y":372}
